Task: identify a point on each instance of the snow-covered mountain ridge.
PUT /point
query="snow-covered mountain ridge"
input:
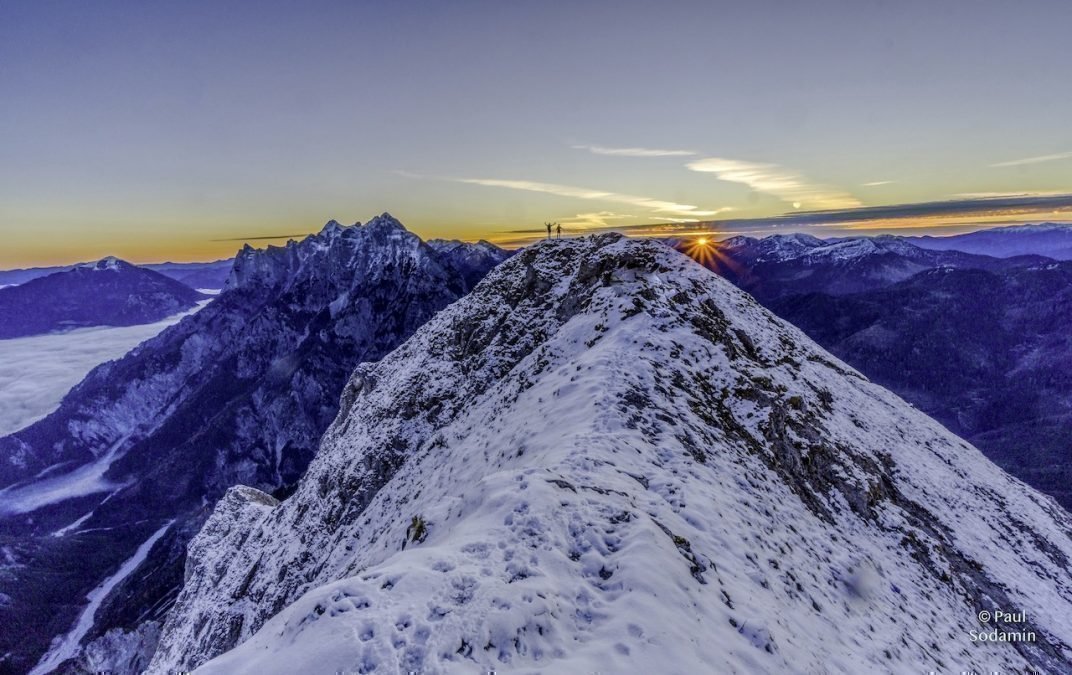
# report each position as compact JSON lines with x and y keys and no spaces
{"x":788,"y":247}
{"x":607,"y":458}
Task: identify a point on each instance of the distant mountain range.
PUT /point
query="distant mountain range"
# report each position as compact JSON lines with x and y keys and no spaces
{"x":196,"y":275}
{"x":1053,"y":240}
{"x":204,"y":276}
{"x":782,"y":265}
{"x":239,"y":392}
{"x":110,"y":292}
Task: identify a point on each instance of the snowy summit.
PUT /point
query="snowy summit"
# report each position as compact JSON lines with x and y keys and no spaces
{"x":109,"y":263}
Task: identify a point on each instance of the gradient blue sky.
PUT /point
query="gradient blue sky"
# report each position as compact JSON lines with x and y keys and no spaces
{"x":174,"y":130}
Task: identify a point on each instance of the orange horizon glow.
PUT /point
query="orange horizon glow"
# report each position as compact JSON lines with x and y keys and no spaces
{"x":46,"y":251}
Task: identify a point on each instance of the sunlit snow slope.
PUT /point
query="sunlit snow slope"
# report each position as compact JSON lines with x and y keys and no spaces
{"x":607,"y":458}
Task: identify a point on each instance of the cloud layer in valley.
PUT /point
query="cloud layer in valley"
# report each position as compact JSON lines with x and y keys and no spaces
{"x":37,"y":372}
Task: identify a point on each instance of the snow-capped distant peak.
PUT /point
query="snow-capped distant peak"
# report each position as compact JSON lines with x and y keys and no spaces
{"x":798,"y":238}
{"x":110,"y":263}
{"x":810,"y":249}
{"x":843,"y":250}
{"x":785,"y":246}
{"x":739,"y":240}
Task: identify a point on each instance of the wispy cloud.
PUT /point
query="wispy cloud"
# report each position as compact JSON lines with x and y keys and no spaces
{"x":681,"y":220}
{"x":970,"y":212}
{"x":593,"y":220}
{"x":634,"y":152}
{"x":265,"y":237}
{"x":1034,"y":160}
{"x":1004,"y":195}
{"x":774,"y":180}
{"x":876,"y":183}
{"x":656,"y":205}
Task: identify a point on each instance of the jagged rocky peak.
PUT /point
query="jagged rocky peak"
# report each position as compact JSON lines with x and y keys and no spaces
{"x":333,"y":228}
{"x":331,"y":250}
{"x":607,"y":458}
{"x":357,"y":251}
{"x":386,"y":223}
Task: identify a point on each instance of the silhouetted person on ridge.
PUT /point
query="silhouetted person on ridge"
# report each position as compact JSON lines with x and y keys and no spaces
{"x":548,"y":230}
{"x":559,"y":235}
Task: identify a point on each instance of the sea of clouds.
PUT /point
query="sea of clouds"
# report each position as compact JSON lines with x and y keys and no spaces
{"x":36,"y":372}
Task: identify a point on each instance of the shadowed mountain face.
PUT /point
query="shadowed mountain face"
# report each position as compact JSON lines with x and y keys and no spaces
{"x":988,"y":354}
{"x":238,"y":393}
{"x":980,"y":343}
{"x":110,"y":292}
{"x":606,"y":458}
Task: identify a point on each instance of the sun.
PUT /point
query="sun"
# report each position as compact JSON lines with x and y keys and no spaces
{"x":709,"y":253}
{"x":701,"y":249}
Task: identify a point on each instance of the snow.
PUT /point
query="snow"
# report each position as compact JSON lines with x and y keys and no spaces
{"x":787,"y":247}
{"x":66,"y":647}
{"x":73,"y":527}
{"x":110,"y":263}
{"x":844,"y":250}
{"x":1033,"y":227}
{"x":623,"y":464}
{"x":85,"y":480}
{"x":36,"y":372}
